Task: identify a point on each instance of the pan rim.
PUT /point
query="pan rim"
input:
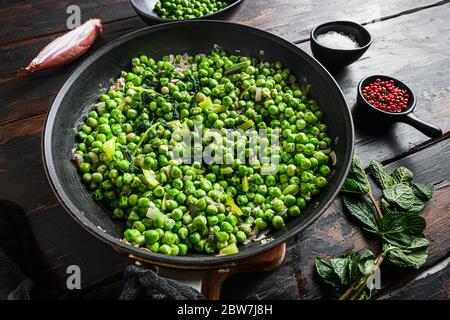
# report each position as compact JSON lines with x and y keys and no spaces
{"x":176,"y":261}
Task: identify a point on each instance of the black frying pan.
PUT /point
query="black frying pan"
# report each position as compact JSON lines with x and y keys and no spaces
{"x":146,"y":10}
{"x":81,"y":90}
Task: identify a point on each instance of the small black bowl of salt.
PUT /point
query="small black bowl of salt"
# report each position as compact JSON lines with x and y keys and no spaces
{"x":337,"y":44}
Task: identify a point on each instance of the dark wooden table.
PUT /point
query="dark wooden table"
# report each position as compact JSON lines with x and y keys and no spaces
{"x":411,"y":42}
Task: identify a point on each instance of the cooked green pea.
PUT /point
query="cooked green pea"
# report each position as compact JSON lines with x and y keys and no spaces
{"x":140,"y":240}
{"x":174,"y":250}
{"x":278,"y":222}
{"x":211,"y":209}
{"x":241,"y":236}
{"x":321,"y":182}
{"x":226,"y":226}
{"x":131,"y":147}
{"x":210,"y":247}
{"x":131,"y":234}
{"x":165,"y":249}
{"x":183,"y":249}
{"x":305,"y":163}
{"x":97,"y":177}
{"x":194,"y":238}
{"x":212,"y":220}
{"x":201,"y":203}
{"x":118,"y":213}
{"x":169,"y":224}
{"x":154,"y":247}
{"x":151,"y":236}
{"x":290,"y":170}
{"x":200,"y":245}
{"x":260,"y":224}
{"x":294,"y":211}
{"x":177,"y":214}
{"x":169,"y":238}
{"x":86,"y":178}
{"x":159,"y":221}
{"x":171,"y":205}
{"x":139,"y":226}
{"x":290,"y":200}
{"x":159,"y":191}
{"x":183,"y":233}
{"x":200,"y":222}
{"x":221,"y":236}
{"x":143,"y":202}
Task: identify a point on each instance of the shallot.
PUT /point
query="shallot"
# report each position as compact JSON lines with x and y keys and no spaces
{"x":67,"y":47}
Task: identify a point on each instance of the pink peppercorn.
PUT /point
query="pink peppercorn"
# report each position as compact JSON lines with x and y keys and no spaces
{"x":386,"y":96}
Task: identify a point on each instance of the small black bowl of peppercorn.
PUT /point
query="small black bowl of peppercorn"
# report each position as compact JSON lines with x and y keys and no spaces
{"x":390,"y":100}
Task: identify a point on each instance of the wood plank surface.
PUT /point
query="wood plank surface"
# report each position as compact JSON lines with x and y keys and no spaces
{"x":431,"y":284}
{"x":284,"y":17}
{"x":293,"y":19}
{"x":33,"y":95}
{"x":62,"y":241}
{"x":21,"y":163}
{"x":334,"y":234}
{"x":65,"y":243}
{"x":423,"y":67}
{"x":24,"y":20}
{"x":28,"y":173}
{"x":28,"y":96}
{"x":23,"y":102}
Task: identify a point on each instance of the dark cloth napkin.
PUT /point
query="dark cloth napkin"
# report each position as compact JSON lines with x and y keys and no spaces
{"x":13,"y":283}
{"x":20,"y":262}
{"x":138,"y":284}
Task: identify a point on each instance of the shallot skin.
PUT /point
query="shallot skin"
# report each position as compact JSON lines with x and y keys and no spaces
{"x":67,"y":47}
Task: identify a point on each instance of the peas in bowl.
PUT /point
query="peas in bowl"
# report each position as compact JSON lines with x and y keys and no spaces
{"x":158,"y":11}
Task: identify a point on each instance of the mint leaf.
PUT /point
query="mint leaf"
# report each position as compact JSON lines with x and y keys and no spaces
{"x":408,"y":258}
{"x":380,"y":174}
{"x":394,"y":224}
{"x":326,"y":272}
{"x":423,"y":191}
{"x":356,"y":181}
{"x":414,"y":255}
{"x":404,"y":241}
{"x":366,"y":295}
{"x":343,"y":271}
{"x":363,"y":211}
{"x":340,"y":267}
{"x":386,"y":207}
{"x":366,"y":263}
{"x":402,"y":175}
{"x":400,"y":195}
{"x":353,"y":186}
{"x":417,"y":206}
{"x":352,"y":265}
{"x":366,"y":267}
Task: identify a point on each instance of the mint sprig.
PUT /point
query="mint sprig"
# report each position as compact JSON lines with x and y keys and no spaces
{"x":397,"y":225}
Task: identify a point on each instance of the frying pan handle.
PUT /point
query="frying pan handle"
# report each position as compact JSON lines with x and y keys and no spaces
{"x":426,"y":128}
{"x":209,"y":281}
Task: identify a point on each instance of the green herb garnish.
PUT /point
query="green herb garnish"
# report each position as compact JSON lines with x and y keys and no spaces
{"x":396,"y":224}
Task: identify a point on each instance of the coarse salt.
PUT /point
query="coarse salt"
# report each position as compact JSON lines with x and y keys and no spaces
{"x":336,"y":40}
